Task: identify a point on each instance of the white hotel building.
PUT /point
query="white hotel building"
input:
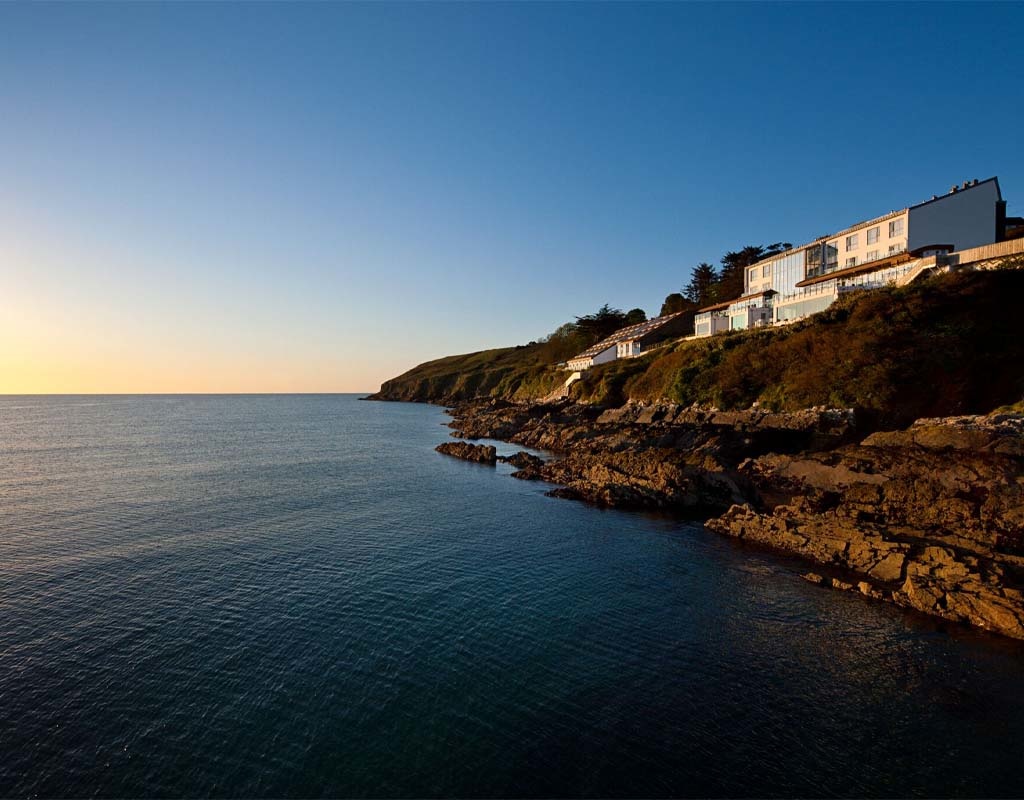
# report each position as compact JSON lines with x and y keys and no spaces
{"x":893,"y":248}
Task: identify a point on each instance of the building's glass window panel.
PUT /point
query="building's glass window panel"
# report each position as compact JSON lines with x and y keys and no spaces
{"x":851,"y":242}
{"x":873,"y":235}
{"x":813,"y":264}
{"x":851,"y":261}
{"x":738,"y":322}
{"x":805,"y":307}
{"x":766,"y":270}
{"x":831,"y":256}
{"x":872,"y":255}
{"x":787,"y":272}
{"x":896,"y":228}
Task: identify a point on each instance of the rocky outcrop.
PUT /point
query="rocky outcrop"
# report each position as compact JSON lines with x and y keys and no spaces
{"x":930,"y":518}
{"x":522,"y":460}
{"x":650,"y":478}
{"x":662,"y":456}
{"x":478,"y":453}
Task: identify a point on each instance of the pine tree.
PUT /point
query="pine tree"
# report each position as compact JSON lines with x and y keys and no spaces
{"x":702,"y":286}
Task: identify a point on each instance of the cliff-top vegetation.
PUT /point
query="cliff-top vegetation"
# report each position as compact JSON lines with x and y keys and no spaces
{"x":948,"y":345}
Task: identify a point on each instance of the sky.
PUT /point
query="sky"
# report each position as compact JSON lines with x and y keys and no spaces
{"x":271,"y":197}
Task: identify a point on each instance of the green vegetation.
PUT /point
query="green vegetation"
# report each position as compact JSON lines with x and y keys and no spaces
{"x":709,"y":284}
{"x":512,"y":372}
{"x":948,"y":345}
{"x":524,"y":372}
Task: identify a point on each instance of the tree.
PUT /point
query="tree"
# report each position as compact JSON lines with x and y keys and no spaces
{"x":675,"y":303}
{"x":635,"y":316}
{"x":601,"y":324}
{"x":702,"y":286}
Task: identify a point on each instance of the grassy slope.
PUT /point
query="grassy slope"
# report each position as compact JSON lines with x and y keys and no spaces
{"x":949,"y":345}
{"x":513,"y":372}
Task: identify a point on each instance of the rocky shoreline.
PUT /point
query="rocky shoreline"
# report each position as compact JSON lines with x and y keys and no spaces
{"x":930,"y":518}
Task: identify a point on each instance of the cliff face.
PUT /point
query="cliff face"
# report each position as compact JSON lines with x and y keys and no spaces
{"x":943,"y":347}
{"x":767,"y":433}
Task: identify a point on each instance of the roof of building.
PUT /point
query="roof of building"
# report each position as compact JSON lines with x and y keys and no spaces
{"x":627,"y":334}
{"x":882,"y":218}
{"x":728,"y":303}
{"x":860,"y":269}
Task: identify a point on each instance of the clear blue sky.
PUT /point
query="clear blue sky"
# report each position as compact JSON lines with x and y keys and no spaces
{"x":316,"y":197}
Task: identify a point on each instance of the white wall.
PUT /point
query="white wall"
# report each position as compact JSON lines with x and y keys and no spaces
{"x":965,"y":219}
{"x":863,"y":251}
{"x":755,"y":280}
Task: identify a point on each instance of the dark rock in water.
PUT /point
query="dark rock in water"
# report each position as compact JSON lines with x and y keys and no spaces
{"x":478,"y":453}
{"x":522,"y":460}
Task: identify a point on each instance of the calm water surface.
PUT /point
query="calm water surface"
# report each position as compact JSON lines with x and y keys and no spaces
{"x":295,"y":596}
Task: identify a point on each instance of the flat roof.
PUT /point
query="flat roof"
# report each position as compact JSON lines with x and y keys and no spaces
{"x":872,"y":221}
{"x":848,"y":272}
{"x":728,"y":303}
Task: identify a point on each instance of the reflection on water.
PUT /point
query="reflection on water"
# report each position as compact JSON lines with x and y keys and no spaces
{"x":295,"y":596}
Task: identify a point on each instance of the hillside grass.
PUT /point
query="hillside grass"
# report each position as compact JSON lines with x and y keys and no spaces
{"x":948,"y":345}
{"x":520,"y":373}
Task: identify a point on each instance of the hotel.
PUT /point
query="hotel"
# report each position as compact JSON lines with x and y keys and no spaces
{"x":892,"y":249}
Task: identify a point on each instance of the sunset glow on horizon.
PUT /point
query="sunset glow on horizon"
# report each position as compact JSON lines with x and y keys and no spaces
{"x":315,"y":198}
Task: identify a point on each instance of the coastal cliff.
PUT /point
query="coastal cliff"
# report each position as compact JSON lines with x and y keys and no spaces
{"x":935,"y":348}
{"x":865,"y":439}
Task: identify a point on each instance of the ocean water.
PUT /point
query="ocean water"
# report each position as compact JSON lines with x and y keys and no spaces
{"x":295,"y":596}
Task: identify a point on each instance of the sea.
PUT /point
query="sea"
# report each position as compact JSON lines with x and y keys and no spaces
{"x":295,"y":596}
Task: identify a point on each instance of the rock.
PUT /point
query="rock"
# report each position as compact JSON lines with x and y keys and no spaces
{"x":522,"y":460}
{"x":930,"y":518}
{"x":813,"y":577}
{"x":478,"y":453}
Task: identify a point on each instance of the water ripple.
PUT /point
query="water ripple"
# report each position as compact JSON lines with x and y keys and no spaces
{"x":295,"y":596}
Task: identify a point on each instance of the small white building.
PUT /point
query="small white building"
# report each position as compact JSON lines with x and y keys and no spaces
{"x":632,"y":341}
{"x":600,"y":353}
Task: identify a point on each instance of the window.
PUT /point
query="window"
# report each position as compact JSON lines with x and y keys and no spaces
{"x":873,"y":235}
{"x":766,"y":271}
{"x":894,"y":248}
{"x":851,"y":261}
{"x":896,"y":228}
{"x":753,"y":273}
{"x":851,"y":242}
{"x":871,"y":256}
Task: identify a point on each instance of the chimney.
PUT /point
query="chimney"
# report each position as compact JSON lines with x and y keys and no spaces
{"x":966,"y":184}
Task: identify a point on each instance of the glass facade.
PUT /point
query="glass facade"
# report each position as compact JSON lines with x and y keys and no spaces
{"x":820,"y":259}
{"x":803,"y":308}
{"x":787,"y":272}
